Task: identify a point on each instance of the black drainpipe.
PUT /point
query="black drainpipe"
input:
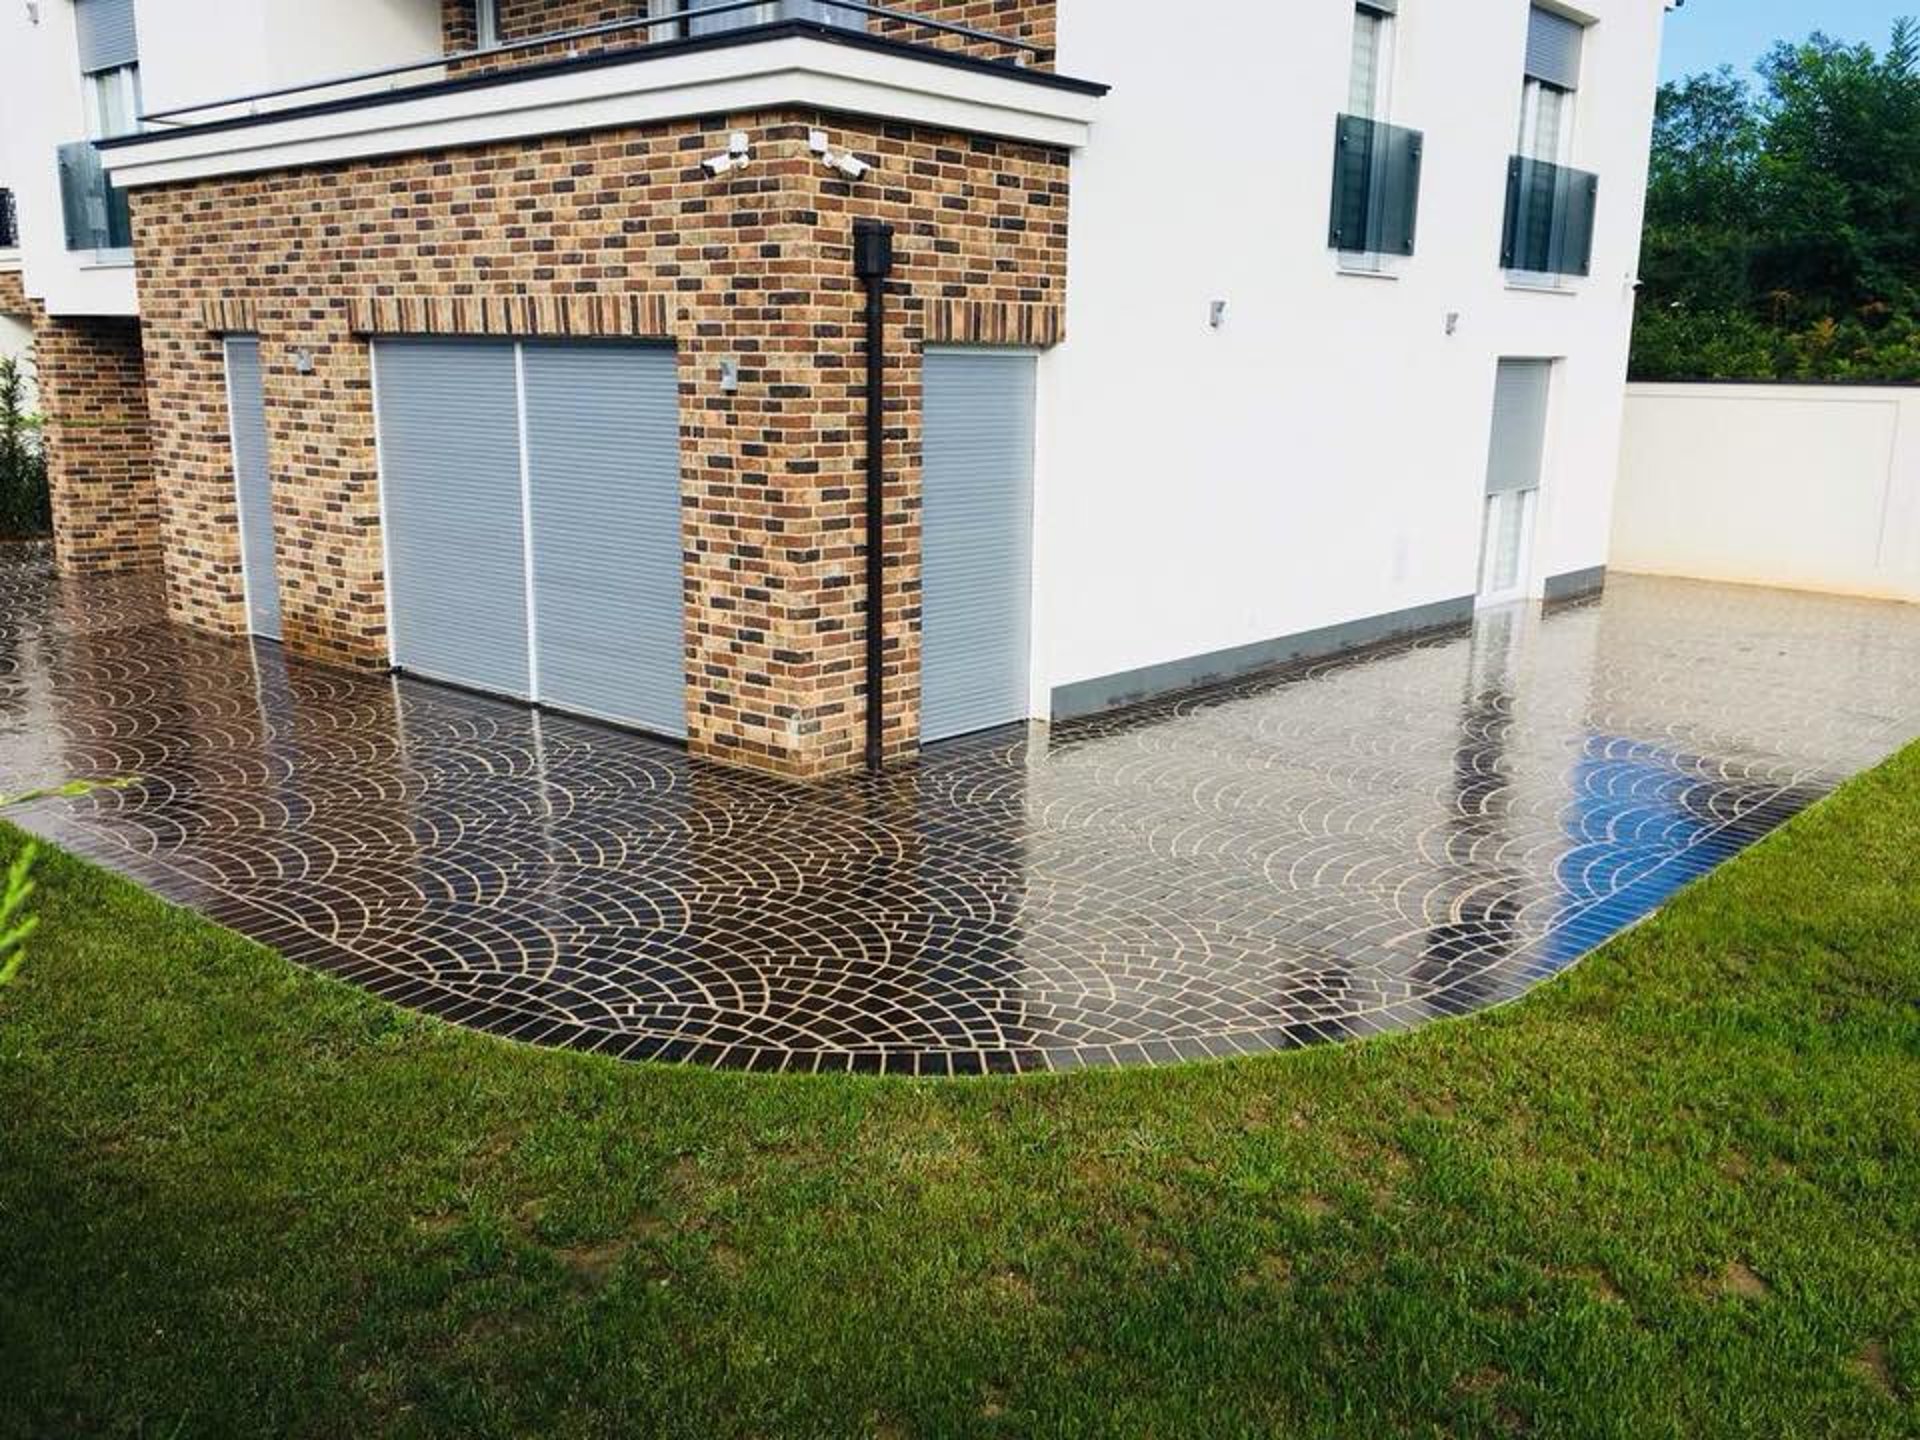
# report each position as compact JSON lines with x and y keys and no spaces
{"x":873,"y":263}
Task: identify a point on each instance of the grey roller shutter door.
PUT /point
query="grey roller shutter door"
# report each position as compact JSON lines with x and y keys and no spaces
{"x":976,"y":548}
{"x":603,"y":476}
{"x":107,"y":38}
{"x":456,"y":545}
{"x":1519,"y":425}
{"x":247,"y":414}
{"x":1553,"y":48}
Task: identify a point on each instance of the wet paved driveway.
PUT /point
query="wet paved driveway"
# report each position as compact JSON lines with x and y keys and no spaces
{"x":1351,"y":848}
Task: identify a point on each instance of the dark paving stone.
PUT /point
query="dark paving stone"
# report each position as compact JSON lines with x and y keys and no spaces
{"x":1345,"y":849}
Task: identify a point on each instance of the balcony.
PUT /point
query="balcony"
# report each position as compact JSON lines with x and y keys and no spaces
{"x":1376,"y":187}
{"x":719,"y":57}
{"x":95,"y":211}
{"x":1550,"y":212}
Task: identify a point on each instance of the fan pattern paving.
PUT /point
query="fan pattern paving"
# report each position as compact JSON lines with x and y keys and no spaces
{"x":1336,"y":850}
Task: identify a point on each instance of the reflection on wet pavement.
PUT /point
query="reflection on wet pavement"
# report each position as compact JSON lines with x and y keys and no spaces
{"x":1344,"y":849}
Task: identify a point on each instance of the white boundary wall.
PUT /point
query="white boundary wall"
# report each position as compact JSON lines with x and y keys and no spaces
{"x":1805,"y":487}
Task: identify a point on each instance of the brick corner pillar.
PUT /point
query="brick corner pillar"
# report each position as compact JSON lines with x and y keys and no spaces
{"x":106,"y":513}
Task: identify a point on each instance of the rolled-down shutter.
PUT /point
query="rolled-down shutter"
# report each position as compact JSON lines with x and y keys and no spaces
{"x":976,"y":545}
{"x":1519,"y":425}
{"x":603,"y":478}
{"x":107,"y":37}
{"x":247,"y":401}
{"x":450,"y":470}
{"x":1553,"y":48}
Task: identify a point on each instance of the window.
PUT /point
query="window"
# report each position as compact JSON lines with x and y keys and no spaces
{"x":113,"y":102}
{"x":1374,"y":164}
{"x":1554,"y":47}
{"x":486,"y":23}
{"x":771,"y":12}
{"x":110,"y":61}
{"x":1372,"y":61}
{"x":1549,"y":229}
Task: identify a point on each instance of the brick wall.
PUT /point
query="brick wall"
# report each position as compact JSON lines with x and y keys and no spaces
{"x":13,"y":295}
{"x":613,"y":233}
{"x":92,"y":384}
{"x":1030,"y":20}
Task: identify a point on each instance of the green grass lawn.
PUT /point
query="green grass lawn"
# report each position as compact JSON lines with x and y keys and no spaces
{"x":1675,"y":1193}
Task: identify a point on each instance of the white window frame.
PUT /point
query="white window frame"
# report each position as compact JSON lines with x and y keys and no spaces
{"x":123,"y":79}
{"x":1386,"y":26}
{"x":1521,"y":586}
{"x":1532,"y":103}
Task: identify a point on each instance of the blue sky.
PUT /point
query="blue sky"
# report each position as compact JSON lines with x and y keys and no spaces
{"x":1710,"y":33}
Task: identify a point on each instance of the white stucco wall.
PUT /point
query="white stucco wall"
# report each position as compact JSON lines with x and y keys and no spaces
{"x":41,"y":109}
{"x":1805,"y":487}
{"x":1322,"y":457}
{"x":190,"y":51}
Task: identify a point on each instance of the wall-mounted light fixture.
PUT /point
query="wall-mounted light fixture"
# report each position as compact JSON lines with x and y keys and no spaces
{"x":846,"y":162}
{"x":33,"y":12}
{"x":1217,"y":314}
{"x":729,"y":376}
{"x":1453,"y":322}
{"x":739,"y":155}
{"x":302,"y":361}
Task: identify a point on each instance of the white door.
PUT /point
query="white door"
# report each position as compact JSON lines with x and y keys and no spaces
{"x":1516,"y":452}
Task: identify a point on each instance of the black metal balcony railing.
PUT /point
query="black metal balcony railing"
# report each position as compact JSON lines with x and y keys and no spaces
{"x":95,"y":212}
{"x":1550,"y":212}
{"x":1376,"y":187}
{"x":9,"y":222}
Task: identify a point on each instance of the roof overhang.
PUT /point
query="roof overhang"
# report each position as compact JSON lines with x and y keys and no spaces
{"x":784,"y":66}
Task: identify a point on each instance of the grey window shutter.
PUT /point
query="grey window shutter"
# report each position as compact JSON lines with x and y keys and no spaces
{"x":1519,"y":425}
{"x":107,"y":38}
{"x":1553,"y":48}
{"x":450,"y":470}
{"x":603,"y":476}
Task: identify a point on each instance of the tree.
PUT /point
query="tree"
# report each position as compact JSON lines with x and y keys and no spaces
{"x":1783,"y":221}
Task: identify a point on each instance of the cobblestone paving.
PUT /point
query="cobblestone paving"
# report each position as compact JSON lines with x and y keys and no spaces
{"x":1340,"y":850}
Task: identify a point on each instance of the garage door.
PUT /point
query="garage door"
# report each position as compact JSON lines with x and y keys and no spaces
{"x":976,"y":546}
{"x":532,"y":498}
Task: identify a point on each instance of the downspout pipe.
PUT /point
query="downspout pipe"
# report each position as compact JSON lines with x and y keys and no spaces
{"x":873,"y":263}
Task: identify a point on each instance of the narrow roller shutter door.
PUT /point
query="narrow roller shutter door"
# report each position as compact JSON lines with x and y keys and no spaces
{"x":1519,"y":426}
{"x":976,"y":527}
{"x":450,"y":469}
{"x":603,"y":473}
{"x":254,"y":489}
{"x":107,"y":37}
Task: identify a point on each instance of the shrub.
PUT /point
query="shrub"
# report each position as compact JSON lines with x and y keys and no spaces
{"x":25,"y":507}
